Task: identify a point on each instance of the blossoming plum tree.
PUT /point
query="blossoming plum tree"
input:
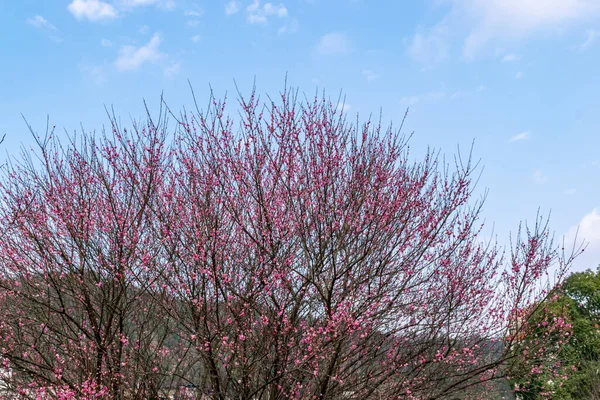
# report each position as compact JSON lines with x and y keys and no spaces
{"x":299,"y":257}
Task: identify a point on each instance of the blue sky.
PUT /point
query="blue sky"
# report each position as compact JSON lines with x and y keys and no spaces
{"x":520,"y":77}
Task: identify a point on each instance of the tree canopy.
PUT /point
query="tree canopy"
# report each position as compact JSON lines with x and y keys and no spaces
{"x":292,"y":256}
{"x":579,"y":301}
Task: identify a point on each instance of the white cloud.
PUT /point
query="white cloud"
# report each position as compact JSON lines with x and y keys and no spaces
{"x":369,"y":75}
{"x":196,"y":38}
{"x":431,"y":47}
{"x":570,"y":192}
{"x":519,"y":75}
{"x":131,"y":58}
{"x":192,"y":16}
{"x":334,"y":43}
{"x":166,"y":4}
{"x":521,"y":136}
{"x":193,"y":13}
{"x":255,"y":14}
{"x":483,"y":23}
{"x":590,"y":164}
{"x":137,"y":3}
{"x":172,"y":70}
{"x":510,"y":57}
{"x":513,"y":19}
{"x":169,"y":4}
{"x":278,"y":10}
{"x":592,"y":36}
{"x":45,"y":26}
{"x":93,"y":10}
{"x":481,"y":88}
{"x":97,"y":73}
{"x":589,"y":232}
{"x":456,"y":95}
{"x":232,"y":7}
{"x":539,"y":177}
{"x":105,"y":43}
{"x":291,"y":27}
{"x":431,"y":96}
{"x":41,"y":23}
{"x":344,"y":107}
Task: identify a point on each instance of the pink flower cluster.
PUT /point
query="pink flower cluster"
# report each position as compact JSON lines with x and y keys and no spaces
{"x":302,"y":257}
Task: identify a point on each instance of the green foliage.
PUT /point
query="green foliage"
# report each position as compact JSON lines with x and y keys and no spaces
{"x":579,"y":303}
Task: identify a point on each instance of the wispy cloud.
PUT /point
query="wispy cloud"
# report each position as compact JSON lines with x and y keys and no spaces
{"x":137,"y":3}
{"x":45,"y":26}
{"x":344,"y":107}
{"x":430,"y":96}
{"x":172,"y":70}
{"x":41,"y":23}
{"x":457,"y":95}
{"x":519,"y":75}
{"x":510,"y":57}
{"x":430,"y":47}
{"x":591,"y":36}
{"x":521,"y":136}
{"x":570,"y":192}
{"x":193,"y":16}
{"x":105,"y":43}
{"x":196,"y":38}
{"x":165,"y":4}
{"x":481,"y":23}
{"x":590,"y":164}
{"x":539,"y":177}
{"x":232,"y":7}
{"x":92,"y":10}
{"x":257,"y":14}
{"x":369,"y":75}
{"x":97,"y":73}
{"x":510,"y":19}
{"x":290,"y":27}
{"x":589,"y":228}
{"x":131,"y":58}
{"x":334,"y":43}
{"x":586,"y":232}
{"x":193,"y":13}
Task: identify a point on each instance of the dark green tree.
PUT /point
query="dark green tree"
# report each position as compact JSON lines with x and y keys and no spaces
{"x":578,"y":301}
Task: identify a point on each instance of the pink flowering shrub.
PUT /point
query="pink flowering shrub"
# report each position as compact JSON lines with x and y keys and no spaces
{"x":296,"y":256}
